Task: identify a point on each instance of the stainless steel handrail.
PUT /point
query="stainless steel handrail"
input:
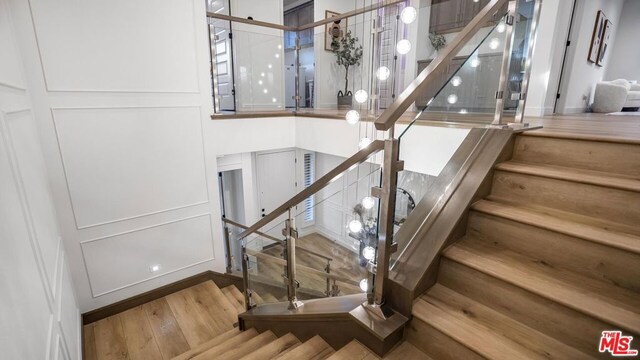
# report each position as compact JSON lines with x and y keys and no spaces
{"x":280,"y":241}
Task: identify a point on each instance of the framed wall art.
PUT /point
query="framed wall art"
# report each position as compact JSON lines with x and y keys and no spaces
{"x":596,"y":37}
{"x":333,"y":29}
{"x":604,"y":42}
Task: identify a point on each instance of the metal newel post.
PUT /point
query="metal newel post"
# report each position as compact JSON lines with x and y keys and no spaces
{"x":502,"y":92}
{"x":227,"y":244}
{"x":297,"y":69}
{"x":387,"y":195}
{"x":292,"y":284}
{"x":248,"y":300}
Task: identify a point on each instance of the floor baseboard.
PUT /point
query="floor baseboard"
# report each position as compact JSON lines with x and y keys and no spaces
{"x":221,"y":280}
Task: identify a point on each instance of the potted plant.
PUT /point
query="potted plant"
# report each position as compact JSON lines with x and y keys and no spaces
{"x":437,"y":41}
{"x":348,"y":53}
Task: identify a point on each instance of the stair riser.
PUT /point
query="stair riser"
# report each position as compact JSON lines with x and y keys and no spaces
{"x":600,"y":202}
{"x":564,"y":324}
{"x":593,"y":155}
{"x":604,"y":263}
{"x":436,"y":344}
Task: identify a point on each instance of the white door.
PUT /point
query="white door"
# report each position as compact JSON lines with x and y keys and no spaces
{"x":276,"y":179}
{"x":223,"y":66}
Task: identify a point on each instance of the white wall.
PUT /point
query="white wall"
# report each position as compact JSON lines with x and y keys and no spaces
{"x":546,"y":63}
{"x":122,"y":102}
{"x":624,"y":59}
{"x":580,"y":76}
{"x":38,"y":307}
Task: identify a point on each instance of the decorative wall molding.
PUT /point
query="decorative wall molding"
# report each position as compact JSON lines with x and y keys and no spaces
{"x":137,"y":216}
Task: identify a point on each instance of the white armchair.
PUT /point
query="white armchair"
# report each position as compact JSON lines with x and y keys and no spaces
{"x":613,"y":96}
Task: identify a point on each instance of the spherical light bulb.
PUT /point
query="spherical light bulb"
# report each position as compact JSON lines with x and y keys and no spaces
{"x":274,"y":100}
{"x":501,"y":27}
{"x":475,"y":62}
{"x":279,"y":46}
{"x":355,"y":226}
{"x":265,"y":91}
{"x":368,"y":202}
{"x":277,"y":56}
{"x":352,"y":117}
{"x":383,"y":73}
{"x":364,"y":142}
{"x":259,"y":82}
{"x":452,"y":99}
{"x":494,"y":43}
{"x":403,"y":47}
{"x":262,"y":74}
{"x":408,"y":14}
{"x":456,"y":81}
{"x":369,"y":253}
{"x":269,"y":66}
{"x":364,"y":285}
{"x":361,"y":96}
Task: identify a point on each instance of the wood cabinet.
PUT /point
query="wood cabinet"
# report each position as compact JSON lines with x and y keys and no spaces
{"x":452,"y":15}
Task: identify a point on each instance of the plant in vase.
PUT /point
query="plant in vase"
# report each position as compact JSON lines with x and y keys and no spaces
{"x":437,"y":41}
{"x":348,"y":54}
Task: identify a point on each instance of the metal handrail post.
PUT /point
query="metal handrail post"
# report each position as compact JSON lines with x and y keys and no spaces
{"x":290,"y":254}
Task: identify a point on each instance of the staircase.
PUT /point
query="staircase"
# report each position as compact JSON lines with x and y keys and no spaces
{"x":550,"y":258}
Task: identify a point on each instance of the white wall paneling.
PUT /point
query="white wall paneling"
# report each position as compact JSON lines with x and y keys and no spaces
{"x":38,"y":305}
{"x":131,"y":162}
{"x":139,"y":46}
{"x":124,"y":260}
{"x":122,"y":99}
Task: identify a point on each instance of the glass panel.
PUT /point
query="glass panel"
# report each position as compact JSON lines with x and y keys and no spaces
{"x":519,"y":56}
{"x":432,"y":181}
{"x":329,"y":255}
{"x":266,"y":264}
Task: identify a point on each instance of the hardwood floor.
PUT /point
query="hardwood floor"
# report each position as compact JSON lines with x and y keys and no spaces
{"x":345,"y":264}
{"x":163,"y":328}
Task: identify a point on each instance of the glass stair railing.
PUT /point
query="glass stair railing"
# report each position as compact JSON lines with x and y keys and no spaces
{"x":374,"y":193}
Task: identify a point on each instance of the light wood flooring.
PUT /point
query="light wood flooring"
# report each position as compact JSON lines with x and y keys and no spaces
{"x":344,"y":264}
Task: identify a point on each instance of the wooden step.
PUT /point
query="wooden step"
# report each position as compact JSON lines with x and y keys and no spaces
{"x":622,"y":182}
{"x":537,"y":312}
{"x":486,"y":331}
{"x":232,"y":343}
{"x":609,"y":157}
{"x":353,"y":351}
{"x":605,"y":203}
{"x":406,"y":351}
{"x":577,"y":226}
{"x":597,"y":299}
{"x":275,"y":348}
{"x":592,"y":259}
{"x":241,"y":350}
{"x":210,"y":344}
{"x":235,"y":297}
{"x":269,"y":298}
{"x":313,"y":349}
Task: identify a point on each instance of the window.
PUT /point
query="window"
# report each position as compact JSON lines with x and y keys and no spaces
{"x":308,"y":177}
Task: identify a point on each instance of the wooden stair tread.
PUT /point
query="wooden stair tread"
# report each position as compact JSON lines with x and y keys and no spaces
{"x":237,"y":352}
{"x":353,"y":351}
{"x":618,"y":181}
{"x":235,"y":297}
{"x":486,"y":331}
{"x":313,"y":349}
{"x":209,"y":344}
{"x":269,"y":298}
{"x":578,"y":226}
{"x":231,"y":343}
{"x":275,"y":348}
{"x":603,"y":301}
{"x":406,"y":351}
